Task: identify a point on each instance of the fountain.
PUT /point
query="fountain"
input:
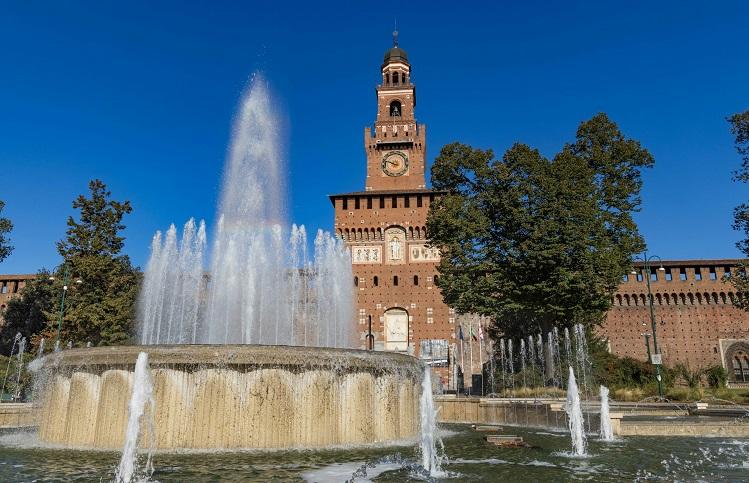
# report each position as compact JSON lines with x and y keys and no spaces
{"x":431,"y":446}
{"x":575,"y":417}
{"x":256,"y":351}
{"x":142,"y":400}
{"x":606,"y":433}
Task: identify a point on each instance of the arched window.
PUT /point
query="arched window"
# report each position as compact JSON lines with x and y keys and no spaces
{"x":642,"y":298}
{"x":723,"y":298}
{"x":618,"y":300}
{"x":715,"y":297}
{"x":626,"y":300}
{"x":699,"y":298}
{"x":416,"y":280}
{"x":387,"y":79}
{"x":356,"y":281}
{"x":375,"y":281}
{"x":395,"y":280}
{"x":395,"y":109}
{"x":691,"y":298}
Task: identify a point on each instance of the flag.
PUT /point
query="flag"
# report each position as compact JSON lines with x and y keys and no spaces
{"x":481,"y":332}
{"x":460,"y":332}
{"x":473,"y":334}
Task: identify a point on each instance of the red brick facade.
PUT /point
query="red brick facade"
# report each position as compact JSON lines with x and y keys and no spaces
{"x":385,"y":227}
{"x":697,"y":323}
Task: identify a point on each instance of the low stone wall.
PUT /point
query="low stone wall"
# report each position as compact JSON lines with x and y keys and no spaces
{"x":718,"y":428}
{"x":547,"y":413}
{"x":17,"y":415}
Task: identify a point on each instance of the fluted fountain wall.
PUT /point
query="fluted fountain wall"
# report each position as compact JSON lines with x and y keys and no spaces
{"x":233,"y":396}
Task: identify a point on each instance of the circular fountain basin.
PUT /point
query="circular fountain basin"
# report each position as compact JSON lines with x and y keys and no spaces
{"x":232,"y":396}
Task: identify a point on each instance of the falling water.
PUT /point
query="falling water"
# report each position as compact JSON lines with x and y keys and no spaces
{"x":57,"y":346}
{"x":502,"y":364}
{"x":142,"y":395}
{"x":261,"y":287}
{"x":575,"y":416}
{"x":19,"y":364}
{"x":531,"y":359}
{"x":541,"y":359}
{"x":432,"y":448}
{"x":10,"y":357}
{"x":607,"y":433}
{"x":510,"y":364}
{"x":522,"y":360}
{"x":583,"y":364}
{"x":40,"y":353}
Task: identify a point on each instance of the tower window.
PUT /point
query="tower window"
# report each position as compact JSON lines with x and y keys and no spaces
{"x":394,"y":202}
{"x":356,"y":203}
{"x":345,"y":203}
{"x":382,"y":202}
{"x":387,"y":79}
{"x":395,"y":78}
{"x":395,"y":109}
{"x":416,"y":280}
{"x":356,"y":281}
{"x":369,"y":202}
{"x":403,"y":77}
{"x":418,"y":201}
{"x":407,"y":201}
{"x":376,"y":281}
{"x":395,"y":280}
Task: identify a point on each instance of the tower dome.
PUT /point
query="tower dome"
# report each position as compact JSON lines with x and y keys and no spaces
{"x":395,"y":53}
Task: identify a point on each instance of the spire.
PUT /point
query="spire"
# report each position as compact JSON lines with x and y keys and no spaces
{"x":395,"y":34}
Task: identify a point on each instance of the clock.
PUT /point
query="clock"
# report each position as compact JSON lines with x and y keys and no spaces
{"x":395,"y":163}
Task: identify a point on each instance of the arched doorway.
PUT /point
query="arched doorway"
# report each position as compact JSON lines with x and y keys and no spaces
{"x":737,"y":362}
{"x":396,"y":330}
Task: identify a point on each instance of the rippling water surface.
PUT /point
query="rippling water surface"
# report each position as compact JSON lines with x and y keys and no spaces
{"x":471,"y":459}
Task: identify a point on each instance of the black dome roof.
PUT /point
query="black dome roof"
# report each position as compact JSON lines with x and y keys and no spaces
{"x":396,"y":54}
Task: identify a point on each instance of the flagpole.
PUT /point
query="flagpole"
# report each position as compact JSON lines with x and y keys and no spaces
{"x":470,"y":349}
{"x":481,"y":359}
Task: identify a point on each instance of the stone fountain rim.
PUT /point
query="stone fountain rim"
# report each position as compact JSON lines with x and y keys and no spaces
{"x":237,"y":355}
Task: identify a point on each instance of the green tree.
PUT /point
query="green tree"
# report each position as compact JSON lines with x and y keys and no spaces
{"x":28,"y":313}
{"x":536,"y":242}
{"x":99,"y":309}
{"x":740,"y":129}
{"x":5,"y":227}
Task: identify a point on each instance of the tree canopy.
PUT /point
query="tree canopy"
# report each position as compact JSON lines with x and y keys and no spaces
{"x":28,"y":313}
{"x":102,"y":283}
{"x":740,"y":129}
{"x":536,"y":242}
{"x":5,"y":228}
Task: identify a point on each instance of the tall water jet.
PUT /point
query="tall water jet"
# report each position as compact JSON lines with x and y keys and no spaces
{"x":575,"y":416}
{"x":19,"y":364}
{"x":606,"y":433}
{"x":260,"y":287}
{"x":142,"y":396}
{"x":522,"y":360}
{"x":16,"y":339}
{"x":430,"y":444}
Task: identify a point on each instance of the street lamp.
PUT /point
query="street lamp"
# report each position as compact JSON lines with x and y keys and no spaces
{"x":65,"y":279}
{"x":655,"y":358}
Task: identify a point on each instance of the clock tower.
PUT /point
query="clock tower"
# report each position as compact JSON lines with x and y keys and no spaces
{"x":399,"y":306}
{"x":396,"y":144}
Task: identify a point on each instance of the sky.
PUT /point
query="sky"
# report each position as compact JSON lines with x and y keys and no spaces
{"x":142,"y":95}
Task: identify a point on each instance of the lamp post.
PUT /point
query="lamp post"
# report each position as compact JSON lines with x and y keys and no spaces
{"x":65,"y":279}
{"x":654,"y":358}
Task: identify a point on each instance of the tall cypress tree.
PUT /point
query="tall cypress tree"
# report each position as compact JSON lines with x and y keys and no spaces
{"x":5,"y":227}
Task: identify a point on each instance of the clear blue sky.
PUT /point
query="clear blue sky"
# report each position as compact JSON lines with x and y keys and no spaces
{"x":141,"y":95}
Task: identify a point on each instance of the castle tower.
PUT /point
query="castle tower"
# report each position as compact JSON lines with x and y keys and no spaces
{"x":396,"y":145}
{"x":395,"y":272}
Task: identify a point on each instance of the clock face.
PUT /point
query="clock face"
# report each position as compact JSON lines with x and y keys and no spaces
{"x":395,"y":163}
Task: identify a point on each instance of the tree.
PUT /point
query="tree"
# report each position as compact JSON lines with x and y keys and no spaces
{"x":99,"y":309}
{"x":536,"y":243}
{"x":5,"y":227}
{"x":740,"y":129}
{"x":28,"y":313}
